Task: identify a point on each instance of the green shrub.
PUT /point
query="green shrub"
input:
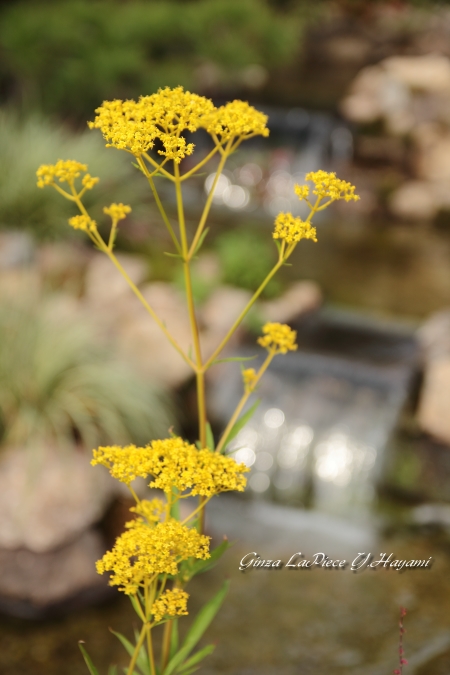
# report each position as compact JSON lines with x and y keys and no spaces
{"x":66,"y":57}
{"x":236,"y":248}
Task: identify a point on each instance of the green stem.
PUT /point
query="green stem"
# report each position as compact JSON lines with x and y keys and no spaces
{"x":159,"y":205}
{"x":208,"y":203}
{"x":191,"y":310}
{"x":137,"y":649}
{"x":241,"y":316}
{"x":243,"y":401}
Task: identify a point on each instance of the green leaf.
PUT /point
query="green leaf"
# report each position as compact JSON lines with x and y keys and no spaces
{"x":137,"y":608}
{"x":241,"y":422}
{"x":196,"y":658}
{"x":200,"y":566}
{"x":92,"y":669}
{"x":175,"y":507}
{"x":137,"y":167}
{"x":201,"y":623}
{"x":198,"y":445}
{"x":277,"y":244}
{"x":209,"y":437}
{"x":112,"y":670}
{"x":235,"y":358}
{"x":173,"y":255}
{"x":200,"y":241}
{"x":174,"y":639}
{"x":142,"y":661}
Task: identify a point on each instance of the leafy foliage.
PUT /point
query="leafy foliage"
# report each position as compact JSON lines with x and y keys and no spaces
{"x":68,"y":57}
{"x":235,"y":248}
{"x":55,"y":384}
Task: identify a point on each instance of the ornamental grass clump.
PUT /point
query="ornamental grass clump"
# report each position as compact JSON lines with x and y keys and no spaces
{"x":160,"y":551}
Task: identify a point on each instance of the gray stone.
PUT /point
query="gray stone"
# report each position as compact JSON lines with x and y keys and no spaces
{"x":48,"y":496}
{"x":300,"y":297}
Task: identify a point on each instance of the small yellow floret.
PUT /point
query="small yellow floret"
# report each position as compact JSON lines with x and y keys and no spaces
{"x":83,"y":223}
{"x":117,"y":211}
{"x":64,"y":170}
{"x":236,"y":119}
{"x":249,"y":379}
{"x":292,"y":229}
{"x":170,"y":603}
{"x":327,"y":185}
{"x":148,"y":510}
{"x":141,"y":552}
{"x":89,"y":181}
{"x":278,"y":338}
{"x":302,"y":191}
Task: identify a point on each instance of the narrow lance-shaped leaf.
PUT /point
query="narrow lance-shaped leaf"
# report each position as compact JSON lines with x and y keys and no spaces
{"x":142,"y":661}
{"x":201,"y":623}
{"x":210,"y":437}
{"x":241,"y":422}
{"x":200,"y":566}
{"x":92,"y":669}
{"x":174,"y":639}
{"x":201,"y":240}
{"x":196,"y":658}
{"x":229,"y":359}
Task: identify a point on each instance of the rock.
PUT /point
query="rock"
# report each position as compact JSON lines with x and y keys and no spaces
{"x":48,"y":496}
{"x":143,"y":341}
{"x":414,"y":200}
{"x":363,"y":103}
{"x":16,"y":249}
{"x":434,"y":408}
{"x":433,"y":153}
{"x":427,"y":73}
{"x":31,"y":583}
{"x":223,"y":307}
{"x":105,"y":286}
{"x":432,"y":514}
{"x":434,"y":336}
{"x":301,"y":297}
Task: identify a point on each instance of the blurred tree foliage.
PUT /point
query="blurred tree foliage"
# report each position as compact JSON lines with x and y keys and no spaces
{"x":66,"y":57}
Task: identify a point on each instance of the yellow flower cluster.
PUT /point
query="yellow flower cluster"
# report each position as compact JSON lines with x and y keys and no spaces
{"x":249,"y":379}
{"x":170,"y":603}
{"x":278,"y":338}
{"x":173,"y":462}
{"x":65,"y":171}
{"x":149,"y":511}
{"x":142,"y":552}
{"x":302,"y":191}
{"x":164,"y":116}
{"x":236,"y":119}
{"x":117,"y":211}
{"x":83,"y":223}
{"x":134,"y":126}
{"x":292,"y":229}
{"x":327,"y":185}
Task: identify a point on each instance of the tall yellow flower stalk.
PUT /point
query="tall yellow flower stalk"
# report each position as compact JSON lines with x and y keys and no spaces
{"x":159,"y":553}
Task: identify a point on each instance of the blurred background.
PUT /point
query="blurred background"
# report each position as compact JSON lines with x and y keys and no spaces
{"x":349,"y":449}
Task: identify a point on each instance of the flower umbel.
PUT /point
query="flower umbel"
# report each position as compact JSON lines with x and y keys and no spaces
{"x":327,"y":185}
{"x":142,"y":552}
{"x":117,"y":211}
{"x":292,"y":229}
{"x":66,"y":171}
{"x":170,"y":604}
{"x":84,"y":223}
{"x":236,"y":119}
{"x":278,"y":338}
{"x":249,"y":378}
{"x":135,"y":126}
{"x":174,"y":463}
